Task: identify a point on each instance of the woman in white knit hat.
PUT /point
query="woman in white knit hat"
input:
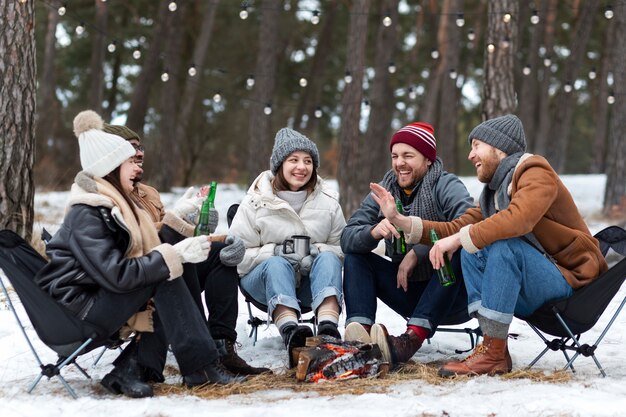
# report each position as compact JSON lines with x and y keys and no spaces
{"x":107,"y":261}
{"x":290,"y":199}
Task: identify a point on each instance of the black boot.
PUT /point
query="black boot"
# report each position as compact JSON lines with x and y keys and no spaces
{"x":328,"y":328}
{"x":213,"y":373}
{"x":294,"y":336}
{"x":126,"y":376}
{"x":233,"y":362}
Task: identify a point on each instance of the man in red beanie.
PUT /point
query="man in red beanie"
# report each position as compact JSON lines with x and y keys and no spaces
{"x":406,"y":282}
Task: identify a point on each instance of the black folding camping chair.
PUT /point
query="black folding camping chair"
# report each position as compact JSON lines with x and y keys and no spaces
{"x":569,"y":318}
{"x":56,"y":326}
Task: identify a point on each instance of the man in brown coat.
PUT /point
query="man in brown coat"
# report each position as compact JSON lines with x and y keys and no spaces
{"x":525,"y":244}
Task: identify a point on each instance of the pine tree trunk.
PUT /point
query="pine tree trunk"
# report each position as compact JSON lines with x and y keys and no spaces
{"x":150,"y":71}
{"x":98,"y":47}
{"x":615,"y":192}
{"x":430,"y":104}
{"x":499,"y":88}
{"x":564,"y":104}
{"x":350,"y":177}
{"x":260,"y":129}
{"x":376,"y":159}
{"x":17,"y":120}
{"x":168,"y":145}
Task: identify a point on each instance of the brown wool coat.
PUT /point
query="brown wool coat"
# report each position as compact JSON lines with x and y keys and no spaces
{"x":540,"y":204}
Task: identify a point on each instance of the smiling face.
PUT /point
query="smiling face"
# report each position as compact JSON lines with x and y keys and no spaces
{"x":297,"y":169}
{"x":129,"y":172}
{"x":139,"y":154}
{"x":485,"y":159}
{"x":408,"y":164}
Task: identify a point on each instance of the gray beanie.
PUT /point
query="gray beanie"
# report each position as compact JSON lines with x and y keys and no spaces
{"x":505,"y":133}
{"x":288,"y":141}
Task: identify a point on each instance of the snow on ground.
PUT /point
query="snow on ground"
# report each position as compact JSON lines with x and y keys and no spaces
{"x":586,"y":394}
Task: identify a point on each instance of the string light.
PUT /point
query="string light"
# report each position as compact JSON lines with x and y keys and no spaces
{"x":22,"y":1}
{"x":172,"y":6}
{"x":507,"y":17}
{"x":387,"y":20}
{"x":491,"y":48}
{"x":366,"y":104}
{"x":243,"y":13}
{"x":165,"y":76}
{"x":592,"y":73}
{"x":534,"y":18}
{"x":192,"y":70}
{"x":318,"y":112}
{"x":267,"y":109}
{"x":391,"y":68}
{"x":136,"y":54}
{"x":453,"y":74}
{"x":471,"y":35}
{"x":112,"y":46}
{"x":526,"y":70}
{"x":611,"y":98}
{"x":315,"y":19}
{"x":460,"y":21}
{"x":303,"y":82}
{"x":547,"y":61}
{"x":608,"y":12}
{"x":217,"y":97}
{"x":61,"y":11}
{"x":434,"y":53}
{"x":80,"y":29}
{"x":506,"y":42}
{"x":250,"y":81}
{"x":348,"y":77}
{"x":412,"y":93}
{"x":567,"y":87}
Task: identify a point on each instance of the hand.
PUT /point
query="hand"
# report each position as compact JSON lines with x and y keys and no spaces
{"x":233,"y":254}
{"x":188,"y":206}
{"x":384,"y":230}
{"x":193,"y":249}
{"x":405,"y":269}
{"x":385,"y":200}
{"x":293,"y":258}
{"x":214,"y":218}
{"x":447,"y":245}
{"x":307,"y":261}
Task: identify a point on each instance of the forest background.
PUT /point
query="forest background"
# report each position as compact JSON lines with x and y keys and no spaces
{"x":207,"y":83}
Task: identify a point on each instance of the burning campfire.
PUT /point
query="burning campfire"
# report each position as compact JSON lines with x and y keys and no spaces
{"x":328,"y":359}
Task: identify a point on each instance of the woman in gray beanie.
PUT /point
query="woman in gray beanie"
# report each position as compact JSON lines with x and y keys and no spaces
{"x":287,"y":200}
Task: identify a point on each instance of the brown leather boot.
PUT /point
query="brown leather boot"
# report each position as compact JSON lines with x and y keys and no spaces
{"x":395,"y":349}
{"x":233,"y":362}
{"x":490,"y":357}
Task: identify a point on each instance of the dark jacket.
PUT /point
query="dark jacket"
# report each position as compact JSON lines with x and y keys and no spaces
{"x":451,"y":199}
{"x":88,"y":253}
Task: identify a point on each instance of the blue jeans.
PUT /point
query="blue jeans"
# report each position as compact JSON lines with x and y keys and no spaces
{"x":426,"y":303}
{"x":510,"y":277}
{"x":273,"y":282}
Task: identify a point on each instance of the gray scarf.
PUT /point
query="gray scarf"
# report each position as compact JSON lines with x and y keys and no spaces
{"x":495,"y":196}
{"x":420,"y":203}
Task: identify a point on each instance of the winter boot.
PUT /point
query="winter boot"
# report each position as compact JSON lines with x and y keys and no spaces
{"x":126,"y":376}
{"x":395,"y":349}
{"x":294,"y":336}
{"x":491,"y":357}
{"x":328,"y":328}
{"x":213,"y":373}
{"x":357,"y":332}
{"x":233,"y":362}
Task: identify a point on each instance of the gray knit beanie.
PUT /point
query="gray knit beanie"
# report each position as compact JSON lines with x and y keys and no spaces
{"x":505,"y":133}
{"x":288,"y":141}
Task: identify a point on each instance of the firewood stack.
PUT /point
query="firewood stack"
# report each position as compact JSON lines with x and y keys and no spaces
{"x":326,"y":358}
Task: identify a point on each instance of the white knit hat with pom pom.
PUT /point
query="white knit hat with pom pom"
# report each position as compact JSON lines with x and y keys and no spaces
{"x":100,"y":152}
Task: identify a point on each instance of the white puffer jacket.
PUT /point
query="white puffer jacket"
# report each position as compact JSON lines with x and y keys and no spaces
{"x":264,"y":220}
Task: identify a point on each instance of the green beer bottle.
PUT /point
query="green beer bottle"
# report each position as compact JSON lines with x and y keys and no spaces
{"x":445,"y":273}
{"x":399,"y":244}
{"x":203,"y":222}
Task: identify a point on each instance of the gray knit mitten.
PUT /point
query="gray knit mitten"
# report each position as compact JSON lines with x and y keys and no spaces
{"x":214,"y":218}
{"x":232,"y":254}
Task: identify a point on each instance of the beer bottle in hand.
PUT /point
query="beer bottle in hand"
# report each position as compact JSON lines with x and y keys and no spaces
{"x":202,"y":228}
{"x":445,"y":273}
{"x":399,"y":244}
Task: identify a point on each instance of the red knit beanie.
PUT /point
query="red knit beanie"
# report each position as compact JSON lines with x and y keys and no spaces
{"x":419,"y":135}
